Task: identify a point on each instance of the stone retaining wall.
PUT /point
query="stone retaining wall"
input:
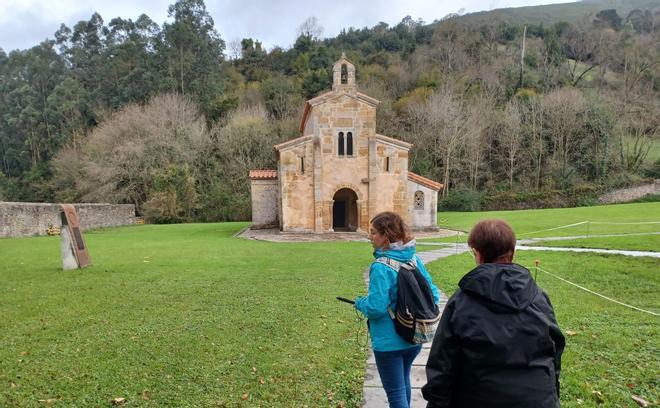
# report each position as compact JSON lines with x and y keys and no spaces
{"x":628,"y":194}
{"x":26,"y":219}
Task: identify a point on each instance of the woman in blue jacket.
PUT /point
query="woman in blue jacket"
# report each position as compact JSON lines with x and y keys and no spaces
{"x":390,"y":238}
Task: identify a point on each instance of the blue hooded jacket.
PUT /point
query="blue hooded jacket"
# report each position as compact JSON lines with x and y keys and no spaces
{"x":382,"y":295}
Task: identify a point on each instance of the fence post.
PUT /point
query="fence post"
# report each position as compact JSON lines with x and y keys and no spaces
{"x":537,"y":262}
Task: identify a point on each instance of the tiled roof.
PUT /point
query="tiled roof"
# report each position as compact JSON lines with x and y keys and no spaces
{"x":433,"y":185}
{"x":263,"y":174}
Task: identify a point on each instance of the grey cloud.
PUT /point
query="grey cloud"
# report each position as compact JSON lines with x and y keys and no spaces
{"x":271,"y":22}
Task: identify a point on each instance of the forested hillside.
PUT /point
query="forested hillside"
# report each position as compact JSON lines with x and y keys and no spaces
{"x":576,"y":12}
{"x":506,"y":112}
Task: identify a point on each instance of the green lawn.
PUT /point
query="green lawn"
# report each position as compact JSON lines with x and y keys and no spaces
{"x":187,"y":315}
{"x":181,"y":315}
{"x":604,"y":219}
{"x":614,"y":350}
{"x":633,"y":242}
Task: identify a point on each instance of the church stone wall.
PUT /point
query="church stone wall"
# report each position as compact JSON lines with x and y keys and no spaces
{"x":344,"y":114}
{"x":307,"y":199}
{"x":26,"y":219}
{"x":425,"y":217}
{"x":264,"y":203}
{"x":391,"y":192}
{"x":297,"y":188}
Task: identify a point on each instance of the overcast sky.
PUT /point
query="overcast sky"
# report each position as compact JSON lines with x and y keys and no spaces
{"x":25,"y":23}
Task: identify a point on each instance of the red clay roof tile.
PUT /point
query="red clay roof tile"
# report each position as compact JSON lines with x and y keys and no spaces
{"x":263,"y":174}
{"x":433,"y":185}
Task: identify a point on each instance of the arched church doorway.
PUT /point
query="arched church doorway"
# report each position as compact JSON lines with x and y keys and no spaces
{"x":344,"y":210}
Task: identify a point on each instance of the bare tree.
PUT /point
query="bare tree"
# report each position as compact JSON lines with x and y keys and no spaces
{"x":641,"y":61}
{"x":476,"y":140}
{"x":448,"y":48}
{"x":638,"y":126}
{"x":139,"y":151}
{"x":511,"y":138}
{"x":234,"y":49}
{"x":446,"y":118}
{"x":637,"y":136}
{"x":533,"y":118}
{"x":310,"y":28}
{"x":562,"y":110}
{"x":244,"y":143}
{"x":582,"y":49}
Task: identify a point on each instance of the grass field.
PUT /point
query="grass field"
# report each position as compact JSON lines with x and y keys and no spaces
{"x":613,"y":352}
{"x":559,"y":222}
{"x":633,"y":242}
{"x":180,"y":315}
{"x":187,"y":315}
{"x":526,"y":222}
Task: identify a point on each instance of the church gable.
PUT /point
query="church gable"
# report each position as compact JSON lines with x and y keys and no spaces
{"x":336,"y":105}
{"x":343,"y":103}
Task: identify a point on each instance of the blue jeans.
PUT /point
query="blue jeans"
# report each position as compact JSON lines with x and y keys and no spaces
{"x":394,"y":370}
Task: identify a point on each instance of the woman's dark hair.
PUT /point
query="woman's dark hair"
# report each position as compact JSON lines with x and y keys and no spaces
{"x":390,"y":225}
{"x":494,"y":240}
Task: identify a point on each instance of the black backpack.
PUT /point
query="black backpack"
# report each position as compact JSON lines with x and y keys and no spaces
{"x":416,"y":316}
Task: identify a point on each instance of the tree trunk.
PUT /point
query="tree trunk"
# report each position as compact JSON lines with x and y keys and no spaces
{"x":181,"y":69}
{"x":522,"y":58}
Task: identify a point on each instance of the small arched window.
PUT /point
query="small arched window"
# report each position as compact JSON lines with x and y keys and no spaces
{"x":419,"y":200}
{"x":344,"y":74}
{"x":349,"y":144}
{"x":302,"y":165}
{"x":340,"y":144}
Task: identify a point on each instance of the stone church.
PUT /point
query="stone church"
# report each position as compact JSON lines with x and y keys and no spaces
{"x":340,"y":173}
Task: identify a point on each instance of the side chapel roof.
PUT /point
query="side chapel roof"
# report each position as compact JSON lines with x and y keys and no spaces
{"x":263,"y":174}
{"x":433,"y":185}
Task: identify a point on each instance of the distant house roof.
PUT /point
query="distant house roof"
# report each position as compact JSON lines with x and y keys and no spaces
{"x":263,"y":174}
{"x":433,"y":185}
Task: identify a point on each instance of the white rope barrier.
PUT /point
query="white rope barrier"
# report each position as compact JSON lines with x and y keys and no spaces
{"x":596,"y":293}
{"x":588,"y":223}
{"x":570,"y":238}
{"x":555,"y":228}
{"x":623,"y":223}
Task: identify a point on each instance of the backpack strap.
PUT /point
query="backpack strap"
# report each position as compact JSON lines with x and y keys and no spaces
{"x":396,"y":265}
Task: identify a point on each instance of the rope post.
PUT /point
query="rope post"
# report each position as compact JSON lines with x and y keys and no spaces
{"x":537,"y":262}
{"x":588,"y":228}
{"x":456,"y":246}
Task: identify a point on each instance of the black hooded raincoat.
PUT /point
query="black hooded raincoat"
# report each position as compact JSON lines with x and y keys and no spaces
{"x":498,"y":344}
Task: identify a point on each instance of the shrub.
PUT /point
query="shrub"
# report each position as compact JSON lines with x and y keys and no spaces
{"x":461,"y":200}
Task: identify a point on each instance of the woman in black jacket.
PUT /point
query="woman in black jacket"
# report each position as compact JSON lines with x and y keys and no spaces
{"x":498,"y":343}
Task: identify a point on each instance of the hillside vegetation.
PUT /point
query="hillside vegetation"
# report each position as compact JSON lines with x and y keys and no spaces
{"x":569,"y":12}
{"x":170,"y":117}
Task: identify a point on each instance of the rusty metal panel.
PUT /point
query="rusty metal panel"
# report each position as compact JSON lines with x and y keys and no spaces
{"x":70,"y":221}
